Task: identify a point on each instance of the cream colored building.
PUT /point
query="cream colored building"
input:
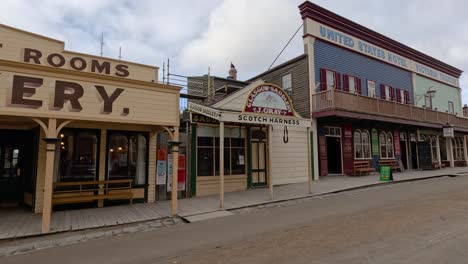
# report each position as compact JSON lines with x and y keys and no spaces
{"x":71,"y":117}
{"x":266,"y":142}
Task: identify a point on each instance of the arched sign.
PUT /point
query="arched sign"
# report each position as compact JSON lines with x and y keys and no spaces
{"x":269,"y":99}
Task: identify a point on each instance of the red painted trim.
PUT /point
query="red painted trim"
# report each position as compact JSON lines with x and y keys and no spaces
{"x":328,"y":18}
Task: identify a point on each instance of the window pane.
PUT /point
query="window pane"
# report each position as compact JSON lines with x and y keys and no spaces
{"x":330,"y":80}
{"x":237,"y":142}
{"x":78,"y":156}
{"x":205,"y":141}
{"x":127,"y":157}
{"x":238,"y":161}
{"x":383,"y":149}
{"x":205,"y":161}
{"x":352,"y":84}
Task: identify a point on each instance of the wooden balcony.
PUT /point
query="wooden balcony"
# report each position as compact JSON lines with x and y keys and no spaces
{"x":339,"y":103}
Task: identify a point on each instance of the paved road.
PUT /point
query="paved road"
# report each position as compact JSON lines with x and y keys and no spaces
{"x":418,"y":222}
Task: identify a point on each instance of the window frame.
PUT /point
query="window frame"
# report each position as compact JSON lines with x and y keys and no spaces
{"x":374,"y":89}
{"x":289,"y":90}
{"x":215,"y":148}
{"x":362,"y":145}
{"x":428,"y":98}
{"x":387,"y":136}
{"x":127,"y":133}
{"x":388,"y":92}
{"x":334,"y":79}
{"x":451,"y":108}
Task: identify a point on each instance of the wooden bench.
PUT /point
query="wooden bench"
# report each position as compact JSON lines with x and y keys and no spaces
{"x":393,"y":164}
{"x":89,"y":191}
{"x":362,"y":167}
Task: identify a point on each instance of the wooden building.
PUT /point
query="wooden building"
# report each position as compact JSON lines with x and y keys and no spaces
{"x":76,"y":127}
{"x":373,"y":101}
{"x":266,"y":142}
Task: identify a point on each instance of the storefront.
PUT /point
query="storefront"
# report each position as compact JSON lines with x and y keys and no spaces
{"x":265,"y":142}
{"x":68,"y":119}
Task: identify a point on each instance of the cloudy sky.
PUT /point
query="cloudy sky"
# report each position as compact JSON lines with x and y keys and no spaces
{"x":197,"y":34}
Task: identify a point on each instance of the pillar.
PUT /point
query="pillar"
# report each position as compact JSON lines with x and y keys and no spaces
{"x":175,"y":168}
{"x":309,"y":159}
{"x":102,"y":162}
{"x":221,"y":164}
{"x":438,"y":151}
{"x":450,"y":152}
{"x":49,"y":170}
{"x":270,"y":155}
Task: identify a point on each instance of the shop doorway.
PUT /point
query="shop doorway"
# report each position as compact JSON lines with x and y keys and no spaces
{"x":18,"y":155}
{"x":259,"y":158}
{"x":414,"y":155}
{"x":334,"y":155}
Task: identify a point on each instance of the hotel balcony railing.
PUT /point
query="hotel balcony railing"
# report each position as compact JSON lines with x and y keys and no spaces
{"x":334,"y":100}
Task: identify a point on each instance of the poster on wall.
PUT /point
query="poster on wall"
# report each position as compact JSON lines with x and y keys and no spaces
{"x":161,"y":167}
{"x":375,"y":142}
{"x":181,"y":174}
{"x":169,"y":172}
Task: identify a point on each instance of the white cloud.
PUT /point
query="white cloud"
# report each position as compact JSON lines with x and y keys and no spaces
{"x":203,"y":33}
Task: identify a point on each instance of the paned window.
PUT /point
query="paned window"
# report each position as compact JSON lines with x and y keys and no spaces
{"x":386,"y":145}
{"x":362,"y":148}
{"x":286,"y":81}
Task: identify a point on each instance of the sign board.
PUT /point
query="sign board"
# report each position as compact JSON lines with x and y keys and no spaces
{"x":269,"y":99}
{"x":161,"y":167}
{"x":386,"y":173}
{"x":204,"y":110}
{"x":375,"y":142}
{"x":360,"y":46}
{"x":169,"y":172}
{"x":449,"y":131}
{"x":250,"y":118}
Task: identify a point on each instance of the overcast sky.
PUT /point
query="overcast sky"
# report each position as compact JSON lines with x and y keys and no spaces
{"x":197,"y":34}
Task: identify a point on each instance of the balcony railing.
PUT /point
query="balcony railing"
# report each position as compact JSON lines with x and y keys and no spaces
{"x":345,"y":101}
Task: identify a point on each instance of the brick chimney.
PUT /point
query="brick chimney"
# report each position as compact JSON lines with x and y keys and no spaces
{"x":465,"y":110}
{"x":232,"y":72}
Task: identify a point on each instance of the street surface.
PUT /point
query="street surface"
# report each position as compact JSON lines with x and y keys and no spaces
{"x":418,"y":222}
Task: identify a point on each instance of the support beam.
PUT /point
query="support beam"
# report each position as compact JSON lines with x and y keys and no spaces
{"x":270,"y":155}
{"x":175,"y":169}
{"x":49,"y":177}
{"x":221,"y":164}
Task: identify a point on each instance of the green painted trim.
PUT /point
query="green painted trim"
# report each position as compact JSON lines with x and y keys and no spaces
{"x":193,"y":160}
{"x":312,"y":163}
{"x":249,"y":159}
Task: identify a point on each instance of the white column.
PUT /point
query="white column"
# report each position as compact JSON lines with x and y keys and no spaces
{"x":49,"y":170}
{"x":175,"y":169}
{"x":309,"y":159}
{"x":270,"y":155}
{"x":221,"y":164}
{"x":438,"y":151}
{"x":465,"y":153}
{"x":450,"y":151}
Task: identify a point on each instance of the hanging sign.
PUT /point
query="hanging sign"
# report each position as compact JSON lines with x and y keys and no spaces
{"x":269,"y":99}
{"x":161,"y":167}
{"x":449,"y":131}
{"x":375,"y":142}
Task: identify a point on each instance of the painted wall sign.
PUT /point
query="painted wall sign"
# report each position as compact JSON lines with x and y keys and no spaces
{"x":76,"y":63}
{"x":375,"y":142}
{"x":198,"y":118}
{"x":204,"y":110}
{"x":269,"y":99}
{"x":24,"y":87}
{"x":347,"y":41}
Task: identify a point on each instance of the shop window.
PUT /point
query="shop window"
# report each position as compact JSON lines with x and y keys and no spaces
{"x":458,"y":149}
{"x":286,"y":81}
{"x":362,"y":149}
{"x":386,"y":145}
{"x":433,"y":145}
{"x":370,"y":88}
{"x":443,"y":148}
{"x":208,"y":151}
{"x":127,"y":156}
{"x":332,"y":131}
{"x":78,"y":155}
{"x":451,"y":109}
